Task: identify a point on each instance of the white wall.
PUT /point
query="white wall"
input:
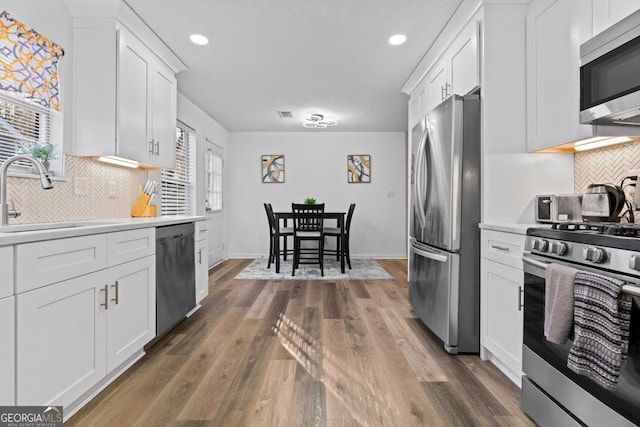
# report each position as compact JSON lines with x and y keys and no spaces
{"x":316,"y":166}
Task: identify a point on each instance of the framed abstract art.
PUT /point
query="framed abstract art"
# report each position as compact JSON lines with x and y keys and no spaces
{"x":273,"y":168}
{"x":358,"y":168}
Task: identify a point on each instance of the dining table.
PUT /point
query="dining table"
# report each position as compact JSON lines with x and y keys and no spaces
{"x":285,"y":216}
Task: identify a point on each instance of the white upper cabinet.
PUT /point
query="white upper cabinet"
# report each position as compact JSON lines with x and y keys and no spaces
{"x":457,"y":71}
{"x":438,"y":86}
{"x":163,"y":117}
{"x":608,"y":12}
{"x":418,"y":103}
{"x":146,"y":105}
{"x":554,"y":33}
{"x":125,"y":91}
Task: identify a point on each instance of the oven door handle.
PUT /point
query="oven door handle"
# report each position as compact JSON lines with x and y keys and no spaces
{"x":539,"y":264}
{"x":627,"y":289}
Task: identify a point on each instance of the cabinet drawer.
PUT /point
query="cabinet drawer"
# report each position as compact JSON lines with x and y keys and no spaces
{"x":504,"y":248}
{"x":202,"y":230}
{"x":6,"y":267}
{"x":43,"y":263}
{"x":125,"y":246}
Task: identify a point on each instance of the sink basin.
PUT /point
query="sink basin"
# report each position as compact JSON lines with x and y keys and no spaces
{"x":51,"y":226}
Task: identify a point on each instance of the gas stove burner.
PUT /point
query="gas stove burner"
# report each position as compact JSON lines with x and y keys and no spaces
{"x":577,"y":226}
{"x":624,"y":230}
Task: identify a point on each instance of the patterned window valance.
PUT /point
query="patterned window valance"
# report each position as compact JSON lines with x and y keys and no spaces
{"x":28,"y":63}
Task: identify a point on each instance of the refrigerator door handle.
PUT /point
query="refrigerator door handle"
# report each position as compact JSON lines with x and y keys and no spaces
{"x":419,"y":196}
{"x":430,"y":255}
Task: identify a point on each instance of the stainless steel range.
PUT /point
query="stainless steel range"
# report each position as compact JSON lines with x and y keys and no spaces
{"x":552,"y":394}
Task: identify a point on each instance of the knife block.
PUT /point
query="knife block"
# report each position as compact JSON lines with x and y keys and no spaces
{"x":143,"y":208}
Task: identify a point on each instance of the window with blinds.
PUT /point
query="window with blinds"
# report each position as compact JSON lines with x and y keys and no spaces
{"x":178,"y":185}
{"x":214,"y":181}
{"x":21,"y":125}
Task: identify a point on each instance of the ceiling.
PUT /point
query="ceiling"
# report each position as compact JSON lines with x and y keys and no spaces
{"x":305,"y":56}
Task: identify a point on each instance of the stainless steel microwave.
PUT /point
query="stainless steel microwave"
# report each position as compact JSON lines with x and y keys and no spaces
{"x":610,"y":75}
{"x":558,"y":208}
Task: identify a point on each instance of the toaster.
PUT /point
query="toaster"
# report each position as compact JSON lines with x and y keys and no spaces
{"x":559,"y":208}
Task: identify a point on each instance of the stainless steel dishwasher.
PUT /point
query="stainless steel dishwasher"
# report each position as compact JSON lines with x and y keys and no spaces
{"x":175,"y":275}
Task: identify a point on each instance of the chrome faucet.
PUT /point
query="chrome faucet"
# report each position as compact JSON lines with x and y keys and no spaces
{"x":44,"y":180}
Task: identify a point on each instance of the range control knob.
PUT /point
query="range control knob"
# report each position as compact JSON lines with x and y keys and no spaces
{"x":558,"y":248}
{"x":595,"y":255}
{"x":634,"y":262}
{"x":540,"y":245}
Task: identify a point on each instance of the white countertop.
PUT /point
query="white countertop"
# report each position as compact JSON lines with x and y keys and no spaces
{"x":514,"y":228}
{"x":94,"y":226}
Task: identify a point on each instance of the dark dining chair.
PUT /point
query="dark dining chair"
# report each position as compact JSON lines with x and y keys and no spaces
{"x":285,"y":232}
{"x":335,"y":232}
{"x":307,"y":226}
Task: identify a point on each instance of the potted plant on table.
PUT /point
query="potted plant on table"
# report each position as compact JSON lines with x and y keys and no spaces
{"x":41,"y":151}
{"x":309,"y":201}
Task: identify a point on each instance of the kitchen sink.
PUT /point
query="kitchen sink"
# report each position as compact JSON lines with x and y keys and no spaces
{"x":52,"y":225}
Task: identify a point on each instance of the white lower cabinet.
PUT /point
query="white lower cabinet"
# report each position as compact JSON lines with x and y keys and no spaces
{"x":131,"y":313}
{"x":501,"y":301}
{"x":7,"y":354}
{"x":202,"y":270}
{"x":76,"y":332}
{"x":501,"y":325}
{"x":61,"y":350}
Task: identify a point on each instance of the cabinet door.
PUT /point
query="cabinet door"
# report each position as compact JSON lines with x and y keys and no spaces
{"x":60,"y":340}
{"x":163,"y":117}
{"x":553,"y":78}
{"x":501,"y":314}
{"x":134,"y":141}
{"x":131,"y":315}
{"x":437,"y":81}
{"x":465,"y":62}
{"x":7,"y":352}
{"x":202,"y":270}
{"x":6,"y":267}
{"x":608,"y":12}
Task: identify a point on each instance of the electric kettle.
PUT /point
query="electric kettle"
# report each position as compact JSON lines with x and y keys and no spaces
{"x":602,"y":203}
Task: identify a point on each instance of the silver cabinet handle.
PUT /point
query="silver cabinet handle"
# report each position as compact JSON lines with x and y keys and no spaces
{"x":116,"y":298}
{"x":105,"y":304}
{"x":520,"y":294}
{"x":151,"y":147}
{"x":500,"y":248}
{"x":199,"y":256}
{"x":157,"y":148}
{"x":447,"y":91}
{"x":443,"y":93}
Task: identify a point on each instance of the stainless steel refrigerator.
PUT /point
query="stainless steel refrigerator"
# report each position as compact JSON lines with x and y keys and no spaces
{"x":444,"y":260}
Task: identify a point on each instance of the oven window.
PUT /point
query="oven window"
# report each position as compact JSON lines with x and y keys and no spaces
{"x":625,"y":398}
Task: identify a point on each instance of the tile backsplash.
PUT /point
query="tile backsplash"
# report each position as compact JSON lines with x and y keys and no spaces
{"x":62,"y":204}
{"x":606,"y":166}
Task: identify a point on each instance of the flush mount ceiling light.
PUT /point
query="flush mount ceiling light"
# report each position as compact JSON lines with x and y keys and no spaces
{"x":198,"y":39}
{"x":397,"y":39}
{"x":318,"y":121}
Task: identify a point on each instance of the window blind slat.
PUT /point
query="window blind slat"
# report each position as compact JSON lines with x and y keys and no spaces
{"x":178,"y":185}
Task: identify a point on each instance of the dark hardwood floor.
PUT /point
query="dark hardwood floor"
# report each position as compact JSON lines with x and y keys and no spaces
{"x":301,"y":353}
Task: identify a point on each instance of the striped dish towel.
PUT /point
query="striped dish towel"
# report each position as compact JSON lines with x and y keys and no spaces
{"x":601,"y":317}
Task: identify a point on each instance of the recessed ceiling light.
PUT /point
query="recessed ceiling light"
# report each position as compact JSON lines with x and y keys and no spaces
{"x":397,"y":39}
{"x":199,"y":39}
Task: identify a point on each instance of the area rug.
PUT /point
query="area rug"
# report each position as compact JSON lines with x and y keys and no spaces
{"x":362,"y":269}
